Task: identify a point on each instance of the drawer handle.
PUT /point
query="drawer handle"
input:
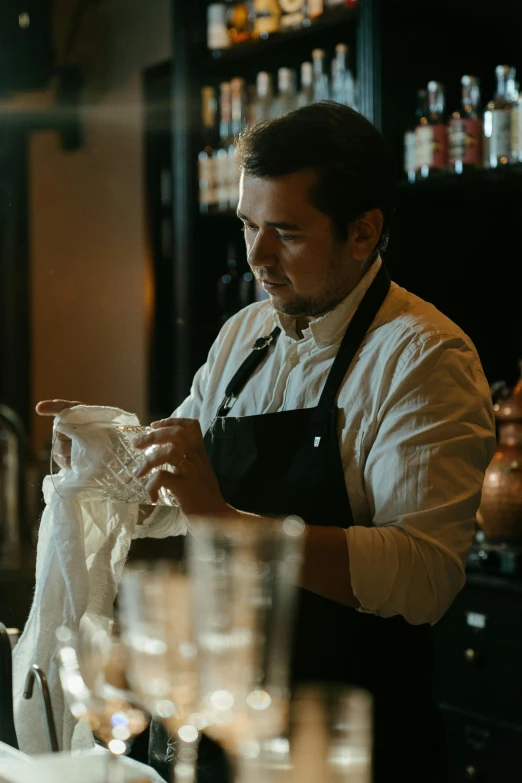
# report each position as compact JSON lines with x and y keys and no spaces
{"x":472,"y":656}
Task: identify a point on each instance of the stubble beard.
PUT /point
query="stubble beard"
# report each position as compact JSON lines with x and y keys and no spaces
{"x":307,"y":307}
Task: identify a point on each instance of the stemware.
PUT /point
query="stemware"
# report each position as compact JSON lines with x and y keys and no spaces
{"x":244,"y":576}
{"x":92,"y":668}
{"x":328,"y":738}
{"x":157,"y":630}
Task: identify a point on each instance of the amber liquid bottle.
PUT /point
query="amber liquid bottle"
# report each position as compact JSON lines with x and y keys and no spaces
{"x":465,"y":129}
{"x":433,"y":136}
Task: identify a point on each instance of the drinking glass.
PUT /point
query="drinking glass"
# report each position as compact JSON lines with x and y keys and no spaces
{"x":328,"y":739}
{"x":157,"y":630}
{"x":92,"y":667}
{"x":104,"y":456}
{"x":244,"y":576}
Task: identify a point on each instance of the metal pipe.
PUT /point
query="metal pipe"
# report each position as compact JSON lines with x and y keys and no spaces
{"x":36,"y":673}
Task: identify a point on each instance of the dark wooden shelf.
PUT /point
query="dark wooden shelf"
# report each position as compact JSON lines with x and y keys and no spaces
{"x":503,"y":177}
{"x":280,"y":40}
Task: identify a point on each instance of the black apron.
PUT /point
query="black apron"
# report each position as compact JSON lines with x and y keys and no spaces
{"x":290,"y":463}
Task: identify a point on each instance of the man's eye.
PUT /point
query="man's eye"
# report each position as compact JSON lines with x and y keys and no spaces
{"x":286,"y":237}
{"x":246,"y":227}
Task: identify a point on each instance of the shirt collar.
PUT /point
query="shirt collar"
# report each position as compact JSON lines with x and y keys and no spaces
{"x":328,"y":328}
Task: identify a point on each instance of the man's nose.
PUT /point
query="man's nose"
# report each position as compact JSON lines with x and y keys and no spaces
{"x":261,"y":251}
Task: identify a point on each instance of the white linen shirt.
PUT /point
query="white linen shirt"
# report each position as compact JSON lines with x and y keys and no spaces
{"x":416,"y":432}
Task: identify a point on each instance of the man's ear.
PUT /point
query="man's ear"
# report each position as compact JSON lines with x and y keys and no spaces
{"x":365,"y":232}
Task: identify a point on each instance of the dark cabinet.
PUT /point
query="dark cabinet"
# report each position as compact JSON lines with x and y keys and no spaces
{"x":479,"y":680}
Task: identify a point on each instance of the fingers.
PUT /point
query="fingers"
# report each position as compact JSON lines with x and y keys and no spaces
{"x":171,"y":455}
{"x":159,"y":436}
{"x":163,"y":479}
{"x":54,"y":407}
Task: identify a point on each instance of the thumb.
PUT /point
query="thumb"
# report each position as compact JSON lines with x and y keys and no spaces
{"x":54,"y":407}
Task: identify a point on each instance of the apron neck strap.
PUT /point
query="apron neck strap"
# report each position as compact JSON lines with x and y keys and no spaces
{"x":354,"y":335}
{"x":246,"y":370}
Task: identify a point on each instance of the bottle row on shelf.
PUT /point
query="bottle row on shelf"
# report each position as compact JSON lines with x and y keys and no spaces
{"x":473,"y":136}
{"x":225,"y":113}
{"x":236,"y":21}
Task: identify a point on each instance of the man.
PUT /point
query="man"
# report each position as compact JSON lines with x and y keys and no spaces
{"x":361,"y":408}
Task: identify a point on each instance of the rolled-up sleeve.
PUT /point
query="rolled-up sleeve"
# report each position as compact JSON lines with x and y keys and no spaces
{"x":423,"y":472}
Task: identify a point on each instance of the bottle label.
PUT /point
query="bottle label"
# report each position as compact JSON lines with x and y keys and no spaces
{"x":439,"y":146}
{"x":516,"y":132}
{"x":465,"y":140}
{"x":315,"y":8}
{"x":500,"y":140}
{"x":410,"y":152}
{"x":207,"y":180}
{"x":267,"y":15}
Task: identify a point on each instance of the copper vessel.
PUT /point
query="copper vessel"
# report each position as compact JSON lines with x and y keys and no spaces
{"x":500,"y":512}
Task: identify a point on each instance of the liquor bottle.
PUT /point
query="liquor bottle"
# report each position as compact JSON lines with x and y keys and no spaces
{"x":264,"y":97}
{"x":432,"y":136}
{"x":238,"y":112}
{"x":314,"y":9}
{"x":217,"y":30}
{"x":410,"y":155}
{"x":465,"y":128}
{"x":266,"y":17}
{"x":321,"y":87}
{"x":228,"y":287}
{"x":286,"y":99}
{"x":422,"y":140}
{"x":238,"y":106}
{"x":516,"y":128}
{"x":294,"y":13}
{"x":306,"y":93}
{"x":221,"y":155}
{"x":412,"y":149}
{"x":238,"y":21}
{"x":343,"y":84}
{"x":206,"y":159}
{"x":497,"y":119}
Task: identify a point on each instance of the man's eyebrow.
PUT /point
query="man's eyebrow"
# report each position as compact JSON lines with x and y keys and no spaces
{"x":273,"y":224}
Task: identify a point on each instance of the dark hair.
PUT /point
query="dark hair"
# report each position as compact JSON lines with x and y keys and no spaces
{"x":355,"y":168}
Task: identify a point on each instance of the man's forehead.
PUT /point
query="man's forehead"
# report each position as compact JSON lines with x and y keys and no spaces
{"x":289,"y":193}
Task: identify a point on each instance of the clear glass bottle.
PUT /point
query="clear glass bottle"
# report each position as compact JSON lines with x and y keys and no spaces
{"x":286,"y":99}
{"x":217,"y":30}
{"x":343,"y":84}
{"x":206,"y":158}
{"x":306,"y":93}
{"x":516,"y":128}
{"x":465,"y":128}
{"x":497,"y":119}
{"x":264,"y":97}
{"x":238,"y":112}
{"x":321,"y":86}
{"x":221,"y":155}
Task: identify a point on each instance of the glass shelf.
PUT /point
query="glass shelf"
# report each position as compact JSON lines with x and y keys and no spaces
{"x":509,"y":176}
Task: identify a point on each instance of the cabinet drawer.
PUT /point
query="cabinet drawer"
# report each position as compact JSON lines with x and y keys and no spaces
{"x":478,"y":649}
{"x":482,"y":751}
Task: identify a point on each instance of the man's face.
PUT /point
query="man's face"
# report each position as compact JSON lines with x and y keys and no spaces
{"x":291,"y":247}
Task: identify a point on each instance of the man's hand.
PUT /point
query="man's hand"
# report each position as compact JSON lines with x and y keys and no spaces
{"x":194,"y":484}
{"x":62,"y":446}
